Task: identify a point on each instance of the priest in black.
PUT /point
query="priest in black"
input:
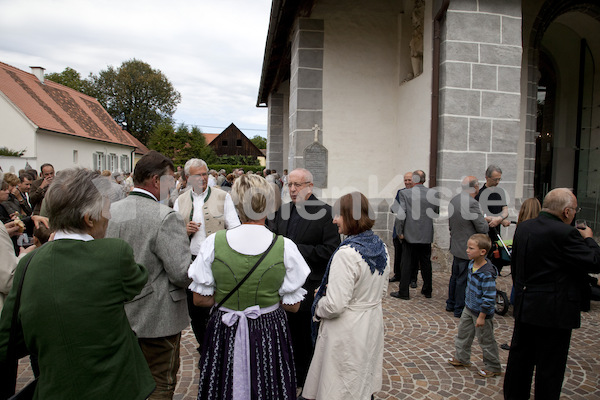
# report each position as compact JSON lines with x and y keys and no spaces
{"x":309,"y":223}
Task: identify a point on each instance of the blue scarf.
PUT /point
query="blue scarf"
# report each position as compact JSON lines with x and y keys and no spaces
{"x":371,"y":249}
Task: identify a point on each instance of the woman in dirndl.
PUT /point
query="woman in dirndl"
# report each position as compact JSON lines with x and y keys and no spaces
{"x":247,"y":349}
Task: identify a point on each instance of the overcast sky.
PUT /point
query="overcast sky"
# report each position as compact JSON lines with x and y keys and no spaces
{"x":210,"y":50}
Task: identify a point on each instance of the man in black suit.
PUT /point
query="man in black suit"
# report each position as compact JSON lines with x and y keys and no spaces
{"x":308,"y":222}
{"x":550,"y":262}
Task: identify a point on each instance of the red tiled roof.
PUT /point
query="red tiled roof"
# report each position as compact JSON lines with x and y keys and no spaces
{"x":210,"y":137}
{"x":57,"y":108}
{"x":139,"y":146}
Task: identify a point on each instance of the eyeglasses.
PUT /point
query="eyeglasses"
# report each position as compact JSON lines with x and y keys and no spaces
{"x":299,"y":184}
{"x":495,"y":179}
{"x":578,"y":209}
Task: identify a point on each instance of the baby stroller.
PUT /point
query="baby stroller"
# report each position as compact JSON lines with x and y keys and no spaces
{"x":501,"y":253}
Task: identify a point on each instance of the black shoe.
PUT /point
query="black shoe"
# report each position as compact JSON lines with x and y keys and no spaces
{"x":427,"y":295}
{"x":457,"y":315}
{"x":398,"y":296}
{"x":413,"y":284}
{"x":394,"y":279}
{"x":505,"y":346}
{"x":449,"y":309}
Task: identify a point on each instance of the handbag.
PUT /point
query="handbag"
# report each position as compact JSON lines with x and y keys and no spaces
{"x":240,"y":283}
{"x":11,"y":353}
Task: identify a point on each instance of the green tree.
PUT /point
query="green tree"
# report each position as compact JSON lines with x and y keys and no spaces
{"x":138,"y":97}
{"x":71,"y":78}
{"x":259,"y":142}
{"x":180,"y":144}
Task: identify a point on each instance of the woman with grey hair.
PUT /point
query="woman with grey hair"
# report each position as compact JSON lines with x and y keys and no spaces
{"x":247,"y":350}
{"x":71,"y":312}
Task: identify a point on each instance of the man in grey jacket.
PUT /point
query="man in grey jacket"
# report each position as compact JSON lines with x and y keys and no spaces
{"x":465,"y":219}
{"x":414,"y":225}
{"x":158,"y":237}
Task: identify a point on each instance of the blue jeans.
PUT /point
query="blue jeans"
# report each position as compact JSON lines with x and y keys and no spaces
{"x":457,"y":286}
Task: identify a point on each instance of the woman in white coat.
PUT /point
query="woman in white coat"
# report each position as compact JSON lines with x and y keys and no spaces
{"x":348,"y":357}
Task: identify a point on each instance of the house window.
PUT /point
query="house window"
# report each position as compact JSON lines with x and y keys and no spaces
{"x":75,"y":157}
{"x":238,"y":142}
{"x":125,"y":163}
{"x":112,"y":162}
{"x":99,"y":161}
{"x":223,"y":142}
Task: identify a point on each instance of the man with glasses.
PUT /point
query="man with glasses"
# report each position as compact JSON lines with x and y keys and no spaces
{"x":493,"y":201}
{"x":308,"y":222}
{"x":550,"y":262}
{"x":205,"y":210}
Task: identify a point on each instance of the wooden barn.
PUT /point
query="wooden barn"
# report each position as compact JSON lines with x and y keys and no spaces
{"x":232,"y":142}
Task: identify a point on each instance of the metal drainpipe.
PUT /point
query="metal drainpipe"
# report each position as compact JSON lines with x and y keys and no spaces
{"x":435,"y":90}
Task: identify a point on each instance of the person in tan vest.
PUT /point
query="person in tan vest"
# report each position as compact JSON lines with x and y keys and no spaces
{"x":205,"y":210}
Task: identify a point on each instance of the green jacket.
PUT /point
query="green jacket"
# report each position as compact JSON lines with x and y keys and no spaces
{"x":72,"y":317}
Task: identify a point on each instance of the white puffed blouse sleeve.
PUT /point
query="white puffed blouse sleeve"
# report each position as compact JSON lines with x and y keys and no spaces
{"x":296,"y":272}
{"x":200,"y":271}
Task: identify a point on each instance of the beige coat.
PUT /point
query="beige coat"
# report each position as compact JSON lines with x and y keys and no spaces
{"x":348,"y":358}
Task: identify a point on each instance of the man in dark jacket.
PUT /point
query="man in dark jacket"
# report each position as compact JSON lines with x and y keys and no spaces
{"x":308,"y":222}
{"x":550,"y":261}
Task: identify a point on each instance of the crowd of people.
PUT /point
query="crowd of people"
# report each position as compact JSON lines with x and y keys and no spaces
{"x":280,"y":305}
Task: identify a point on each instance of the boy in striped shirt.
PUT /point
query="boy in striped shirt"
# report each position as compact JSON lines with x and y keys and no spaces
{"x":480,"y":304}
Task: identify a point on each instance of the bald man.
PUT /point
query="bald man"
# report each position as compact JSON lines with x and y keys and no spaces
{"x":465,"y":219}
{"x":550,"y":262}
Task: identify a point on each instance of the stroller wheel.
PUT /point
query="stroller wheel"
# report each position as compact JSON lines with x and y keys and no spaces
{"x":502,"y":302}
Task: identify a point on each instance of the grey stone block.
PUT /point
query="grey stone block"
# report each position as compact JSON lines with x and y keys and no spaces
{"x":529,"y":164}
{"x":485,"y":77}
{"x":463,"y":5}
{"x":530,"y":150}
{"x":511,"y":31}
{"x":509,"y":79}
{"x":458,"y":51}
{"x":460,"y":102}
{"x":293,"y":102}
{"x":310,"y":58}
{"x":473,"y":27}
{"x":504,"y":7}
{"x":275,"y":156}
{"x":500,"y":55}
{"x":508,"y":164}
{"x":310,"y":24}
{"x":453,"y":133}
{"x":480,"y":134}
{"x":451,"y":188}
{"x":308,"y":119}
{"x":455,"y":74}
{"x":303,"y":140}
{"x":500,"y":105}
{"x":309,"y":78}
{"x":456,"y":165}
{"x":311,"y":40}
{"x":310,"y":99}
{"x":505,"y":136}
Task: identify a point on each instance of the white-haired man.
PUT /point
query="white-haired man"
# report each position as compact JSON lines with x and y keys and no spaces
{"x":550,"y":262}
{"x":205,"y":210}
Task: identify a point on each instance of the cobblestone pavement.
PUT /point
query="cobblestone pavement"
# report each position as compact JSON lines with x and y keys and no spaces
{"x":419,"y":339}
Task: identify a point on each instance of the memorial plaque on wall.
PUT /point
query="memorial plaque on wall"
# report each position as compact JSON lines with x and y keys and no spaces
{"x":315,"y":160}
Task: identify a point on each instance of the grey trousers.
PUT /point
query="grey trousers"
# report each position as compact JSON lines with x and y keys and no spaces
{"x":485,"y":337}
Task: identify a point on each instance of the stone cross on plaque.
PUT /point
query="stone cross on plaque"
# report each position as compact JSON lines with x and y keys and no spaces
{"x":315,"y":160}
{"x":316,"y":129}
